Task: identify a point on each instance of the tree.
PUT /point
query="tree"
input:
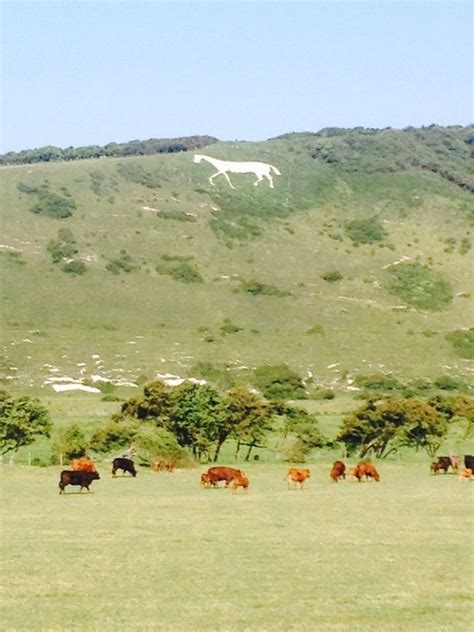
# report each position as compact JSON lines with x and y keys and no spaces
{"x":303,"y":428}
{"x":71,"y":442}
{"x":22,"y":420}
{"x":382,"y":426}
{"x":248,"y":419}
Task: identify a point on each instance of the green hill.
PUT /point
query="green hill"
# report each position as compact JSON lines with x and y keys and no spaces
{"x":358,"y":261}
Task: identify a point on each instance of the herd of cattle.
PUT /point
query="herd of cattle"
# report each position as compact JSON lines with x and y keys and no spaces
{"x":83,"y":472}
{"x":445,"y":463}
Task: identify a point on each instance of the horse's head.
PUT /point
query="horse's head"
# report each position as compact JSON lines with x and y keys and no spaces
{"x":197,"y":158}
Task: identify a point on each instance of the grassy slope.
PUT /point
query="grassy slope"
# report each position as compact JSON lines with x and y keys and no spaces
{"x":142,"y":321}
{"x":159,"y":553}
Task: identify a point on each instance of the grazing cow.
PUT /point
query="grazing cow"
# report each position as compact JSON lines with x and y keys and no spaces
{"x":352,"y":472}
{"x":160,"y":464}
{"x":338,"y":471}
{"x":126,"y":465}
{"x":465,"y":474}
{"x":240,"y":481}
{"x":444,"y":463}
{"x":469,"y":462}
{"x":218,"y":473}
{"x":83,"y":465}
{"x":435,"y":467}
{"x":207,"y":481}
{"x":368,"y":470}
{"x":74,"y":477}
{"x":297,"y":476}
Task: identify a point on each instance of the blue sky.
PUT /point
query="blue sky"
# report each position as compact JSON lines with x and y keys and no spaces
{"x":78,"y":73}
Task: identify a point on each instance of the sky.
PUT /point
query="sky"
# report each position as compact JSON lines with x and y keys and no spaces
{"x":80,"y":73}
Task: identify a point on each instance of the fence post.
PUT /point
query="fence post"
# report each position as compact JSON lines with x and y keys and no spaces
{"x":61,"y":459}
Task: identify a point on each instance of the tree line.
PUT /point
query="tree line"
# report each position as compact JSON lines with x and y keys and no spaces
{"x":148,"y":147}
{"x":195,"y":419}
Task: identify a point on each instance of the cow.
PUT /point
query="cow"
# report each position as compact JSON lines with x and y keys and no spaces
{"x":219,"y":473}
{"x":83,"y":465}
{"x":338,"y":471}
{"x":368,"y":470}
{"x":465,"y":474}
{"x":126,"y":465}
{"x":74,"y":477}
{"x":435,"y":467}
{"x":444,"y":463}
{"x":469,"y":462}
{"x":352,"y":472}
{"x":297,"y":476}
{"x":160,"y":464}
{"x":240,"y":481}
{"x":206,"y":480}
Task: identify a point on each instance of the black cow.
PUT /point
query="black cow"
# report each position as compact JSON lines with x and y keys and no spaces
{"x":73,"y":477}
{"x":444,"y":463}
{"x":126,"y":465}
{"x":469,"y":461}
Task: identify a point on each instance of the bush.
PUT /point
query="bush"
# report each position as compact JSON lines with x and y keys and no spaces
{"x":449,"y":383}
{"x":279,"y":382}
{"x":71,"y":443}
{"x":122,"y":263}
{"x":53,"y":205}
{"x":74,"y":267}
{"x":365,"y":231}
{"x":324,"y":393}
{"x":378,"y":382}
{"x":316,"y":329}
{"x":63,"y":247}
{"x":332,"y":276}
{"x":228,"y":327}
{"x":463,"y":342}
{"x":417,"y":285}
{"x":255,"y":288}
{"x":179,"y":270}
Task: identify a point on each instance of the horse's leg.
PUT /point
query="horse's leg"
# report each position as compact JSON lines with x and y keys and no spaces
{"x":259,"y":179}
{"x":270,"y":179}
{"x":228,"y":179}
{"x":221,"y":173}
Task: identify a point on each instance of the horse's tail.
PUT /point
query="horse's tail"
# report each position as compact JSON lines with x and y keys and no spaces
{"x":275,"y":170}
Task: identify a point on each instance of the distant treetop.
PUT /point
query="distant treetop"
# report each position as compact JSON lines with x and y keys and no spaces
{"x":132,"y":148}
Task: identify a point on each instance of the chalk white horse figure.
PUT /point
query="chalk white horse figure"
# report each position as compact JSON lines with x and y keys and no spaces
{"x":260,"y":169}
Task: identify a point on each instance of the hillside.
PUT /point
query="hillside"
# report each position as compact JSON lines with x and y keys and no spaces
{"x":358,"y":261}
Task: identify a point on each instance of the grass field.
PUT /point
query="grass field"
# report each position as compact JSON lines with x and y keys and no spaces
{"x":160,"y":553}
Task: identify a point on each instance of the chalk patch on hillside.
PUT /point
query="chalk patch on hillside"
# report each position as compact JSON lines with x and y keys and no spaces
{"x":59,"y":388}
{"x":396,"y":263}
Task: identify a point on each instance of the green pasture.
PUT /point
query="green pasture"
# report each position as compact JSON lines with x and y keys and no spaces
{"x":159,"y":553}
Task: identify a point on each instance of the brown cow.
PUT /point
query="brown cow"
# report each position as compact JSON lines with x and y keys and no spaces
{"x":297,"y":476}
{"x":352,"y":472}
{"x":219,"y":473}
{"x":240,"y":481}
{"x":338,"y":471}
{"x":368,"y":470}
{"x":465,"y":474}
{"x":160,"y":464}
{"x":83,"y":465}
{"x":206,"y":480}
{"x":435,"y":467}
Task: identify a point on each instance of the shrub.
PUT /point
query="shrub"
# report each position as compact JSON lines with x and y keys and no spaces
{"x":74,"y":267}
{"x":449,"y":383}
{"x":463,"y":342}
{"x":365,"y":231}
{"x":324,"y":393}
{"x":122,"y":263}
{"x":316,"y":329}
{"x":71,"y":443}
{"x":332,"y":276}
{"x":279,"y":382}
{"x":53,"y":205}
{"x":378,"y":382}
{"x":255,"y":288}
{"x":63,"y":247}
{"x":417,"y":285}
{"x":228,"y":327}
{"x":180,"y":271}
